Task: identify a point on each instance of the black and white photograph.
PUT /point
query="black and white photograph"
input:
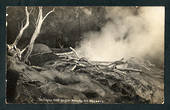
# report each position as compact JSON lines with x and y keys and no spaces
{"x":85,"y":54}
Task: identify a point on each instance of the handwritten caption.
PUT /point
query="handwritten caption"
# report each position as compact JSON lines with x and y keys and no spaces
{"x":69,"y":100}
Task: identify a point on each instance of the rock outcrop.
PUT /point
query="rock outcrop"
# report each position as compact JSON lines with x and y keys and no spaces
{"x":70,"y":80}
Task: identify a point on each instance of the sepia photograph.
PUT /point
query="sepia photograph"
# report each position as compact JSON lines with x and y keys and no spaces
{"x":85,"y":54}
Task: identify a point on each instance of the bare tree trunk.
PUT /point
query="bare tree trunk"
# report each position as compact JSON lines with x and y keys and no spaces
{"x":12,"y":49}
{"x":22,"y":27}
{"x":39,"y":23}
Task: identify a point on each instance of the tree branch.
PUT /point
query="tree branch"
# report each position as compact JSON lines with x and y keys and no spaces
{"x":24,"y":27}
{"x":24,"y":49}
{"x":75,"y":52}
{"x":48,"y":13}
{"x":39,"y":16}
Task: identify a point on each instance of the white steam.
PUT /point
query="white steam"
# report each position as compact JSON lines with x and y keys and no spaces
{"x":129,"y":32}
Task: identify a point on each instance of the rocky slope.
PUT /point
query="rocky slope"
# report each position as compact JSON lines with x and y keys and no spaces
{"x":62,"y":78}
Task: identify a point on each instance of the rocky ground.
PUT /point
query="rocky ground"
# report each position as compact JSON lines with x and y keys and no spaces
{"x":58,"y":76}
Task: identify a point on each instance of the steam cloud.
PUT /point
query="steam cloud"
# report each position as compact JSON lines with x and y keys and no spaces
{"x":130,"y":32}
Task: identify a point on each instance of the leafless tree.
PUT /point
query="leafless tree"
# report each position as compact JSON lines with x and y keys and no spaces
{"x":39,"y":21}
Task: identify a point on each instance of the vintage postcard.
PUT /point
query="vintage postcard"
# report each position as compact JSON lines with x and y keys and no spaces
{"x":85,"y":54}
